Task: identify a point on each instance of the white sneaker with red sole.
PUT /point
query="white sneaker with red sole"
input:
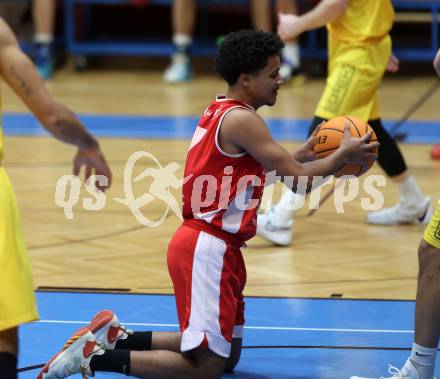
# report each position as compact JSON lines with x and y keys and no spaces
{"x":107,"y":329}
{"x":74,"y":357}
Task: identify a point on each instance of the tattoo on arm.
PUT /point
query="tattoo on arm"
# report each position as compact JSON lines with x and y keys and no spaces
{"x":21,"y":81}
{"x":76,"y":134}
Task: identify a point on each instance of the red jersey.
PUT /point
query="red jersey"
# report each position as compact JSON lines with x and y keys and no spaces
{"x":223,"y":191}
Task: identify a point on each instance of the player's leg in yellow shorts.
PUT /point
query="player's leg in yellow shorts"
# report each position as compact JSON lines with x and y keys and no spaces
{"x":427,"y":328}
{"x":17,"y":300}
{"x":355,"y":73}
{"x":421,"y":362}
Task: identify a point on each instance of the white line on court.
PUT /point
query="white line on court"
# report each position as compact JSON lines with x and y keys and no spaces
{"x":246,"y":327}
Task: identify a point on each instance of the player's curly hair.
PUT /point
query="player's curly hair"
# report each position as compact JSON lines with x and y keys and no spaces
{"x":245,"y":52}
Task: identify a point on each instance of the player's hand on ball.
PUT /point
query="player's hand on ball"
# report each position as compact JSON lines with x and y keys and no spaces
{"x":305,"y":153}
{"x":358,"y":150}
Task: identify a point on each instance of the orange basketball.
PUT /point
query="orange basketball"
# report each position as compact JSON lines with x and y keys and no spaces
{"x":329,"y":136}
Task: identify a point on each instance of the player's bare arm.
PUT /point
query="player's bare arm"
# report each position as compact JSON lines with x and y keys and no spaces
{"x":326,"y":11}
{"x":243,"y":130}
{"x":19,"y":72}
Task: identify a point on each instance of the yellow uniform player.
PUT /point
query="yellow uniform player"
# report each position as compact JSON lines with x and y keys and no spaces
{"x":421,"y":363}
{"x":17,"y":302}
{"x":359,"y":53}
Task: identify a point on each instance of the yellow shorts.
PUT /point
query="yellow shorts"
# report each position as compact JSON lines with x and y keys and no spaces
{"x":432,"y":231}
{"x":17,"y":299}
{"x":355,"y":72}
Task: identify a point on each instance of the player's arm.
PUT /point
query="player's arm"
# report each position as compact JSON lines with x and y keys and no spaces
{"x":247,"y":131}
{"x":326,"y":11}
{"x":19,"y":72}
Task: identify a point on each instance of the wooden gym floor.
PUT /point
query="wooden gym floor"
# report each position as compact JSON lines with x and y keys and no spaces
{"x":332,"y":254}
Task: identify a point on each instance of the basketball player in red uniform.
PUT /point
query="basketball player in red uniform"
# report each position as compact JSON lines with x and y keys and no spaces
{"x":230,"y":153}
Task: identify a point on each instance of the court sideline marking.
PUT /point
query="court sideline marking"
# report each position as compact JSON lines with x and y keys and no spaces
{"x":246,"y":327}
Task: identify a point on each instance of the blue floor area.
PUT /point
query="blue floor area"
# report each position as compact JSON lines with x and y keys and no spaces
{"x":281,"y":335}
{"x":165,"y":127}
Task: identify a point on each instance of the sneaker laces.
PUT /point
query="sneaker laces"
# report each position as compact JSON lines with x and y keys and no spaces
{"x":397,"y":374}
{"x":70,"y":341}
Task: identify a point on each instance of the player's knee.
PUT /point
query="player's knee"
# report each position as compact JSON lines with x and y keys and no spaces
{"x":207,"y":364}
{"x":234,"y":358}
{"x":206,"y":373}
{"x":214,"y":371}
{"x":429,"y":261}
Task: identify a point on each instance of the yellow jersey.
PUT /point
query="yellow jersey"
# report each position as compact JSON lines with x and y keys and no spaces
{"x":363,"y":20}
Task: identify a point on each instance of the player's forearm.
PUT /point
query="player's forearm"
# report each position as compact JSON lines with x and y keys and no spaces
{"x":63,"y":124}
{"x":322,"y":167}
{"x":326,"y":11}
{"x":307,"y":172}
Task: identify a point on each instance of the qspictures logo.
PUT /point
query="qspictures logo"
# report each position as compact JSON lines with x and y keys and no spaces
{"x":164,"y":183}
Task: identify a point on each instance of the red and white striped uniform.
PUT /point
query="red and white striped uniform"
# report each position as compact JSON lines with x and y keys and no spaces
{"x":221,"y":197}
{"x":223,"y":190}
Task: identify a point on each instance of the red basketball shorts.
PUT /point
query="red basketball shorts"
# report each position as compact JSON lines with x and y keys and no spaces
{"x":208,"y":275}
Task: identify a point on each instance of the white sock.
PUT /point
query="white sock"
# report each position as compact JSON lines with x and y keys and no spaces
{"x":43,"y":38}
{"x":182,"y":41}
{"x":410,"y":193}
{"x":423,"y":359}
{"x":287,"y":206}
{"x":290,"y":54}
